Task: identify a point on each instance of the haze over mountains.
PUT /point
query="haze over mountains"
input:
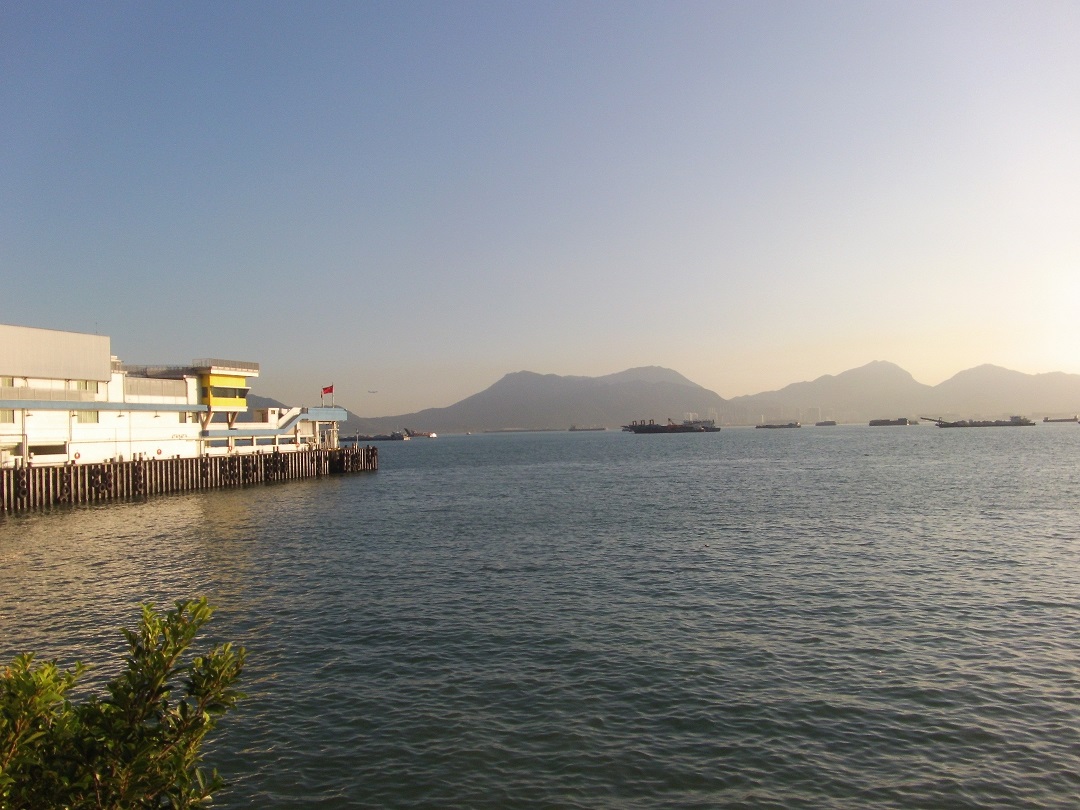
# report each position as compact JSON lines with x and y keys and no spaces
{"x":884,"y":390}
{"x":528,"y":401}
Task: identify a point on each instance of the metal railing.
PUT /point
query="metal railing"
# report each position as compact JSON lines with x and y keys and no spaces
{"x":47,"y":394}
{"x":230,"y":365}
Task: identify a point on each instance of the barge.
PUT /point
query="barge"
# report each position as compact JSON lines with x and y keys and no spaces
{"x":1013,"y":421}
{"x":687,"y":426}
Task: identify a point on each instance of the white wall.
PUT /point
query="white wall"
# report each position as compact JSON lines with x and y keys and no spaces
{"x":47,"y":353}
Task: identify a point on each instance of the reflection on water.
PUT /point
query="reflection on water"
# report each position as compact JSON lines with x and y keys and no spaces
{"x":84,"y":571}
{"x":835,"y":618}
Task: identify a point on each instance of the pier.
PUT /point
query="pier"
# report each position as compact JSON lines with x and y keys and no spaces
{"x":28,"y":487}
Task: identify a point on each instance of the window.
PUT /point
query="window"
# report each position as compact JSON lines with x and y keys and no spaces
{"x":7,"y":415}
{"x":87,"y":385}
{"x":87,"y":417}
{"x":229,"y":393}
{"x":48,"y":449}
{"x":7,"y":382}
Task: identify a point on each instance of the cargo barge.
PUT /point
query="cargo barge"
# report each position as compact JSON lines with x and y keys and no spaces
{"x":687,"y":426}
{"x":1013,"y":421}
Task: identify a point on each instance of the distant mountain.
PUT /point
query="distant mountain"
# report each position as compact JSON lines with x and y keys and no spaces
{"x":529,"y":401}
{"x":879,"y":390}
{"x":882,"y":390}
{"x":644,"y":374}
{"x":255,"y":402}
{"x":994,"y":390}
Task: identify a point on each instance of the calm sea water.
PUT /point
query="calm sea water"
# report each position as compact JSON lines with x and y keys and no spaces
{"x":839,"y":617}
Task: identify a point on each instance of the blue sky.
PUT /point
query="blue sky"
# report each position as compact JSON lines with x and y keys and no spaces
{"x":417,"y":198}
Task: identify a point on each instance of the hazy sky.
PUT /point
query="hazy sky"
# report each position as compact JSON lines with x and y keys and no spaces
{"x":416,"y":198}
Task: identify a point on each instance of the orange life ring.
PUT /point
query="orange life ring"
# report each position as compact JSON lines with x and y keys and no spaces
{"x":159,"y":451}
{"x":77,"y":456}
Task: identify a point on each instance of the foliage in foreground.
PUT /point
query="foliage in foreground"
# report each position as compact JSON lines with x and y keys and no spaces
{"x":137,"y":747}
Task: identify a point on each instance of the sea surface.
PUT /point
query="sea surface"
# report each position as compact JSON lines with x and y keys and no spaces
{"x":843,"y":617}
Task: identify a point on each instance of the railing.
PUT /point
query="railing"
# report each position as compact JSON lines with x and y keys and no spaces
{"x":229,"y":365}
{"x":28,"y":488}
{"x":168,"y":372}
{"x":47,"y":394}
{"x":162,"y":370}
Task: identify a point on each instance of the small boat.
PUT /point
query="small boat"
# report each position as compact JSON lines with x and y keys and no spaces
{"x":903,"y":420}
{"x":778,"y":427}
{"x":1065,"y":419}
{"x":826,"y":423}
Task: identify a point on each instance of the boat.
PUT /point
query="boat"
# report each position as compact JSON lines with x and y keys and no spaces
{"x":1012,"y":421}
{"x":826,"y":423}
{"x":1066,"y":419}
{"x":396,"y":436}
{"x":903,"y":420}
{"x":420,"y":434}
{"x":687,"y":426}
{"x":700,"y":425}
{"x":576,"y":429}
{"x":777,"y":427}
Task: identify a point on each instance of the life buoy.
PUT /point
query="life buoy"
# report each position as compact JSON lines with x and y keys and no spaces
{"x":159,"y":451}
{"x":77,"y":456}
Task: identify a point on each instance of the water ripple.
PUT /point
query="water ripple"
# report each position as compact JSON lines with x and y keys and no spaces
{"x":855,"y":619}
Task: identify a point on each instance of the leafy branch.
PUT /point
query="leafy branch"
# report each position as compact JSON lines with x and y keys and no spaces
{"x":138,"y":747}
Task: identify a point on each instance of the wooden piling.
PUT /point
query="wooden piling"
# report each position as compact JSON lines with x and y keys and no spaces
{"x":28,"y":488}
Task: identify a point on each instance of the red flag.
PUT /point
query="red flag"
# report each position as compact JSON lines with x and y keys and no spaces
{"x":328,"y":390}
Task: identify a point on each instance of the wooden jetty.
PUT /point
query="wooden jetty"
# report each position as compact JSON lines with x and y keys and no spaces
{"x":28,"y":487}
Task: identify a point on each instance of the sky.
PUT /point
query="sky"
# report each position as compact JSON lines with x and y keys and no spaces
{"x":409,"y":200}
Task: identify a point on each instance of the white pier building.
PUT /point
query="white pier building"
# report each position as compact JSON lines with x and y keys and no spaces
{"x":65,"y":398}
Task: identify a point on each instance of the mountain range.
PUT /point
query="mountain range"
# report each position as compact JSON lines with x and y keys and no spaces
{"x":525,"y":400}
{"x":882,"y":390}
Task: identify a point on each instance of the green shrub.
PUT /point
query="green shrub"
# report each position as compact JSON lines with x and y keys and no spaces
{"x":137,"y":747}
